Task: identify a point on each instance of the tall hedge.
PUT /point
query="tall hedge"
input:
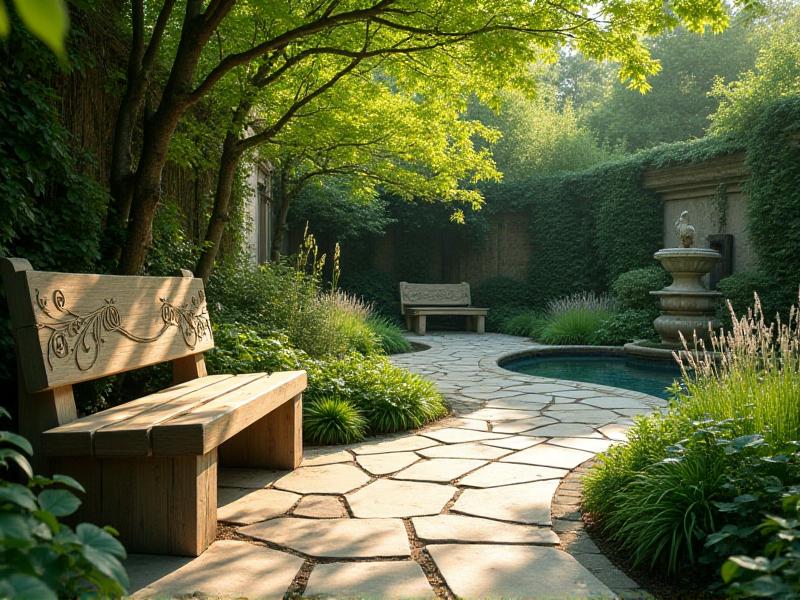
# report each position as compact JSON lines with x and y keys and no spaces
{"x":773,"y":210}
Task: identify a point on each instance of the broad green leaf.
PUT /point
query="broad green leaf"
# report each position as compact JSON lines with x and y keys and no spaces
{"x":16,"y":440}
{"x":759,"y":563}
{"x":48,"y":519}
{"x":69,"y":482}
{"x":94,"y":536}
{"x":59,"y":502}
{"x":48,"y":20}
{"x":25,"y":586}
{"x":17,"y":457}
{"x":106,"y":564}
{"x":729,"y":571}
{"x":14,"y":526}
{"x":19,"y":495}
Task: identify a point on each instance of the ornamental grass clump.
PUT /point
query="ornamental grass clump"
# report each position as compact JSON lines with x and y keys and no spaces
{"x":332,"y":420}
{"x":389,"y":335}
{"x":753,"y":369}
{"x":575,"y":319}
{"x":584,"y":301}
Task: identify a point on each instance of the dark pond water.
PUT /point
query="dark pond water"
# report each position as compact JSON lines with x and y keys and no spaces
{"x":650,"y":377}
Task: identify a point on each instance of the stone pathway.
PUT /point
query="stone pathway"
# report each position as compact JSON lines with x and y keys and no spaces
{"x":463,"y":508}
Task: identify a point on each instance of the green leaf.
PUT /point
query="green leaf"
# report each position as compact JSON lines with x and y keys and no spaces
{"x":17,"y":457}
{"x":16,"y":440}
{"x":19,"y":495}
{"x":729,"y":571}
{"x":59,"y":502}
{"x":69,"y":482}
{"x":13,"y":526}
{"x":759,"y":563}
{"x":94,"y":536}
{"x":106,"y":564}
{"x":48,"y":20}
{"x":25,"y":586}
{"x":48,"y":519}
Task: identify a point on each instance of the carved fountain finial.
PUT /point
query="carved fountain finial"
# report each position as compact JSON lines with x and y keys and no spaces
{"x":685,"y":231}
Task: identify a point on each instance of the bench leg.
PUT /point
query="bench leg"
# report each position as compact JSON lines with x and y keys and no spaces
{"x":480,"y":324}
{"x":409,"y":323}
{"x":421,"y":320}
{"x":162,"y":505}
{"x":275,"y":441}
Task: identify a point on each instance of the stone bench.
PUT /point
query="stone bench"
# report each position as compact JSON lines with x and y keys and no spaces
{"x":420,"y":300}
{"x":149,"y":466}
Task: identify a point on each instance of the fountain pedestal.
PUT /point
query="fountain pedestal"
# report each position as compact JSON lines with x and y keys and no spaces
{"x":687,"y":306}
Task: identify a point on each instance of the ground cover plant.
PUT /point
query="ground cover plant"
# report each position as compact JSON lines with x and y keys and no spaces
{"x":712,"y":478}
{"x":40,"y":556}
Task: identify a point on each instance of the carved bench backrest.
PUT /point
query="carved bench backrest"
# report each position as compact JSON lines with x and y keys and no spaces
{"x":433,"y":294}
{"x":72,"y":327}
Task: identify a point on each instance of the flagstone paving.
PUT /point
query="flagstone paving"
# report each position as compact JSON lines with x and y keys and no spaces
{"x":462,"y":508}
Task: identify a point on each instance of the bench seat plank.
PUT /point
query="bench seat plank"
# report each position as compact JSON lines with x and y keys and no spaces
{"x":75,"y":438}
{"x":131,"y":437}
{"x":446,"y":310}
{"x":207,"y":426}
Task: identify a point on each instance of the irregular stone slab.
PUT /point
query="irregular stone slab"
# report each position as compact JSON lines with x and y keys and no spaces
{"x":632,"y":412}
{"x":335,"y":538}
{"x":453,"y":435}
{"x":565,"y":430}
{"x":386,"y":498}
{"x":614,"y":402}
{"x":320,"y":507}
{"x":578,"y":394}
{"x":518,"y":442}
{"x":469,"y":450}
{"x":327,"y":479}
{"x":490,"y":395}
{"x":440,"y":470}
{"x":383,"y":464}
{"x":487,"y":571}
{"x":571,"y":405}
{"x":247,"y":478}
{"x":550,"y":456}
{"x":526,"y":503}
{"x":519,"y":403}
{"x":250,"y":506}
{"x":540,"y":388}
{"x":228,"y":569}
{"x":388,"y":579}
{"x":404,"y":444}
{"x":318,"y":457}
{"x":498,"y":474}
{"x":520,"y":426}
{"x":616,"y":432}
{"x":458,"y":528}
{"x":588,"y":444}
{"x":589,"y":417}
{"x":500,"y":414}
{"x":462,"y":423}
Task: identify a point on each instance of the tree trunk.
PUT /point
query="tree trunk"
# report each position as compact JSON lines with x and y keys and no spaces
{"x":229,"y":162}
{"x":158,"y":132}
{"x":281,"y":227}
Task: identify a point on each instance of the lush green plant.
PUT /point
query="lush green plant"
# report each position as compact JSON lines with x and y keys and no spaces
{"x":756,"y":368}
{"x":242,"y":349}
{"x":40,"y":557}
{"x":391,"y":398}
{"x":500,"y":291}
{"x":347,"y":323}
{"x":377,"y":288}
{"x":573,"y":326}
{"x":389,"y":333}
{"x":626,"y":326}
{"x":632,"y":288}
{"x":776,"y":572}
{"x":332,"y":421}
{"x":580,"y":301}
{"x":527,"y":324}
{"x":739,"y":290}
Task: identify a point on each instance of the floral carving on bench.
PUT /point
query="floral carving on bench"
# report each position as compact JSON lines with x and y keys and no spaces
{"x":82,"y":335}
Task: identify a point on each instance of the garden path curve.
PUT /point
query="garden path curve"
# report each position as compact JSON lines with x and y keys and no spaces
{"x":462,"y":508}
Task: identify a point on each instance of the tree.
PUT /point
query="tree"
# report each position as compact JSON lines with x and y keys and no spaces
{"x":460,"y":35}
{"x":678,"y":105}
{"x":776,"y":75}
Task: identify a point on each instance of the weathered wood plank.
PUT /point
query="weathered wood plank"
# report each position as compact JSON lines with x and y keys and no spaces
{"x":89,"y":326}
{"x":131,"y":437}
{"x":273,"y":442}
{"x":75,"y":438}
{"x":208,"y":426}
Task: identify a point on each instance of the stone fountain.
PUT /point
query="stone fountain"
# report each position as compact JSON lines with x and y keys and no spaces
{"x":688,"y":307}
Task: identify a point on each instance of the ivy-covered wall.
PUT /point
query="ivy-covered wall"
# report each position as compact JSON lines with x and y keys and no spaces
{"x":581,"y":230}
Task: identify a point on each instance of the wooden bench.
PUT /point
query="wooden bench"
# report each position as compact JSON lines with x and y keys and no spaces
{"x":150,"y":465}
{"x":420,"y":300}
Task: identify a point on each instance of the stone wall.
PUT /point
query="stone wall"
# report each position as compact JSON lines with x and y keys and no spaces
{"x":712,"y":193}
